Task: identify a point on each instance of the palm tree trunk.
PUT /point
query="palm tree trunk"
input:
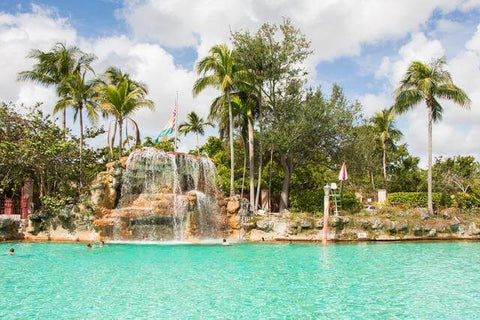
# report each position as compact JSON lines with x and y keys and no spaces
{"x":244,"y":167}
{"x":64,"y":121}
{"x":232,"y":155}
{"x":270,"y":181}
{"x":120,"y":141}
{"x":287,"y":167}
{"x":384,"y":146}
{"x":430,"y":187}
{"x":260,"y":160}
{"x":81,"y":143}
{"x":112,"y":142}
{"x":198,"y":151}
{"x":251,"y":163}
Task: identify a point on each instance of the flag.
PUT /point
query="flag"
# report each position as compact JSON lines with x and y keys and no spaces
{"x":342,"y":176}
{"x":170,"y":127}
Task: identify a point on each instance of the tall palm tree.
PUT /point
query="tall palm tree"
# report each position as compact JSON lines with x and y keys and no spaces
{"x":246,"y":109}
{"x":54,"y":67}
{"x":219,"y":70}
{"x":383,"y":123}
{"x":79,"y":94}
{"x":121,"y":100}
{"x":195,"y":124}
{"x":114,"y":76}
{"x":428,"y":82}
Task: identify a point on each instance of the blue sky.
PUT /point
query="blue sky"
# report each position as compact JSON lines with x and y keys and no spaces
{"x":361,"y":45}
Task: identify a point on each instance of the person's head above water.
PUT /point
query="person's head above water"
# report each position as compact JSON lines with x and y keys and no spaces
{"x":12,"y":250}
{"x":224,"y":240}
{"x":89,"y":245}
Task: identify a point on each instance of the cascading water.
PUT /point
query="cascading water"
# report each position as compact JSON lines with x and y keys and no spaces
{"x":167,"y":196}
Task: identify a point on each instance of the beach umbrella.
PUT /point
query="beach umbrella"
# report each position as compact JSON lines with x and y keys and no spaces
{"x":342,"y":175}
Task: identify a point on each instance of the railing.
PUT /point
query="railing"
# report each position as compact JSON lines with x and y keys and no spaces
{"x":13,"y":208}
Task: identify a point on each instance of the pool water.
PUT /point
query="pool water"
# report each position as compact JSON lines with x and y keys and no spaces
{"x":244,"y":281}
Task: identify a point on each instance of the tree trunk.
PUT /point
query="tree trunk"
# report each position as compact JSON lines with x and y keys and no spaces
{"x":384,"y":145}
{"x":232,"y":155}
{"x":251,"y":163}
{"x":260,"y":162}
{"x":120,"y":141}
{"x":64,"y":121}
{"x":81,"y":143}
{"x":112,"y":142}
{"x":244,"y":167}
{"x":270,"y":181}
{"x":198,"y":151}
{"x":288,"y":168}
{"x":430,"y":187}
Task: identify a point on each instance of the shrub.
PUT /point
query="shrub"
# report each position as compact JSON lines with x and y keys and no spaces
{"x":463,"y":200}
{"x":350,"y":202}
{"x":417,"y":199}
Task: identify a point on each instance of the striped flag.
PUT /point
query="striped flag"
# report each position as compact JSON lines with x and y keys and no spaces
{"x":169,"y":128}
{"x":342,"y":176}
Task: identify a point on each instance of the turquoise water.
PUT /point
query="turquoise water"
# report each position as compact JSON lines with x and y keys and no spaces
{"x":246,"y":281}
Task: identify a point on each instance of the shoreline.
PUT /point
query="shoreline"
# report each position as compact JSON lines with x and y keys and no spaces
{"x":269,"y":241}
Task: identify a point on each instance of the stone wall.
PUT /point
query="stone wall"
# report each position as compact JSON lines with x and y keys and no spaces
{"x":385,"y":225}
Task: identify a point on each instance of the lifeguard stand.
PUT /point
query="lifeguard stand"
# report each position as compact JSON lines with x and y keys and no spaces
{"x":335,"y":197}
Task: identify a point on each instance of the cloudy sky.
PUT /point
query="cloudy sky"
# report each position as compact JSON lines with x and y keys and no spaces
{"x":363,"y":45}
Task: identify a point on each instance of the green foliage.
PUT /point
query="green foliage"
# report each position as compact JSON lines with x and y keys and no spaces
{"x":417,"y":199}
{"x":463,"y":200}
{"x":34,"y":147}
{"x":350,"y":202}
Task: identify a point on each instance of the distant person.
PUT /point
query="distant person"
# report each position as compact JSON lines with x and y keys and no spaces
{"x":89,"y":246}
{"x":102,"y":243}
{"x":225,"y":243}
{"x":10,"y":252}
{"x":263,"y":239}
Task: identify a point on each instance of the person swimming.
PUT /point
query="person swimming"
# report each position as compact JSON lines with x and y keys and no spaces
{"x":10,"y":252}
{"x":89,"y":246}
{"x":225,"y":243}
{"x":102,"y":243}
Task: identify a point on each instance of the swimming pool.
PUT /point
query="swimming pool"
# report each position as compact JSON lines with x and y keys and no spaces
{"x":244,"y":281}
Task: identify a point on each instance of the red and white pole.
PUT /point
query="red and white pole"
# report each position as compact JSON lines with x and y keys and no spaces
{"x":326,"y":211}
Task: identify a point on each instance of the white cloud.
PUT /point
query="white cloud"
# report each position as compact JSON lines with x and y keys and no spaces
{"x":373,"y":102}
{"x":335,"y":27}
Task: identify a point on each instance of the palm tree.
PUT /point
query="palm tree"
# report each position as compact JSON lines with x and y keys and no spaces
{"x":383,"y":123}
{"x":80,"y":94}
{"x":220,"y":71}
{"x":428,"y":82}
{"x":56,"y":66}
{"x":194,"y":124}
{"x":246,"y":109}
{"x":121,"y":100}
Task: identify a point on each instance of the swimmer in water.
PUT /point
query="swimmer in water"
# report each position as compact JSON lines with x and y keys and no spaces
{"x":89,"y":246}
{"x":102,"y":243}
{"x":10,"y":252}
{"x":225,"y":243}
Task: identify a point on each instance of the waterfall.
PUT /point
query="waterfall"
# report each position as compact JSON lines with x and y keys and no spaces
{"x":167,"y":196}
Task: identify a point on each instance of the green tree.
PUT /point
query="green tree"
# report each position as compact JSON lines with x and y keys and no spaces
{"x":122,"y":99}
{"x":33,"y":146}
{"x":80,"y":94}
{"x":219,"y":70}
{"x":428,"y":82}
{"x":271,"y":55}
{"x":305,"y":126}
{"x":55,"y":67}
{"x":383,"y":123}
{"x":195,"y":124}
